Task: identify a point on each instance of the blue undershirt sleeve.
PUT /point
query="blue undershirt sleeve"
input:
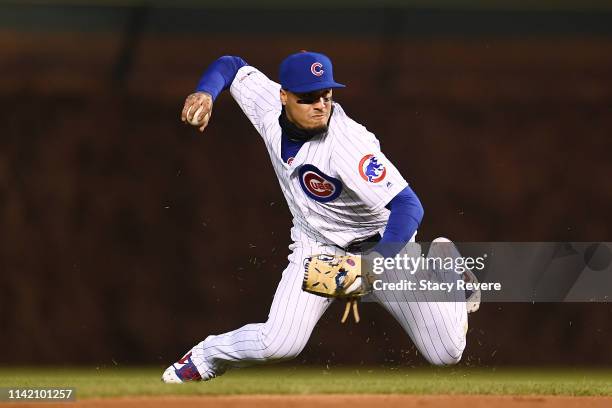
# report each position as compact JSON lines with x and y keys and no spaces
{"x":406,"y":215}
{"x":219,"y":75}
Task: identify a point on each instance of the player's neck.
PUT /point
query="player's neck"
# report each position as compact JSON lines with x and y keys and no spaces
{"x":296,"y":133}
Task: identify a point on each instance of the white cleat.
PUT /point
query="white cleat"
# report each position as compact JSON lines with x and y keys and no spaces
{"x":182,"y":371}
{"x":169,"y":376}
{"x":472,"y":303}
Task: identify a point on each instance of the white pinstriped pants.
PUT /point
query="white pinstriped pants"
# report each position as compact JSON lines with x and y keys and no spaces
{"x":436,"y":328}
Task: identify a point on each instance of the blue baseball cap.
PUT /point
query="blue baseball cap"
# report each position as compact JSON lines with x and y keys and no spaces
{"x":307,"y":72}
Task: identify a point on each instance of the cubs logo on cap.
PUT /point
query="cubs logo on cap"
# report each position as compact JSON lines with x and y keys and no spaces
{"x":317,"y":69}
{"x":307,"y":72}
{"x":317,"y":185}
{"x":371,"y":170}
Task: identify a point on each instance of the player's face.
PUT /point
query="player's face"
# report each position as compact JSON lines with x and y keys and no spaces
{"x":308,"y":110}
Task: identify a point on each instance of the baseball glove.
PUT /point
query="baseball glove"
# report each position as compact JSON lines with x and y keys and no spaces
{"x":337,"y":276}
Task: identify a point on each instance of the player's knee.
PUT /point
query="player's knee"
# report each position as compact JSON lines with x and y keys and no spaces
{"x":289,"y":354}
{"x":276,"y":349}
{"x":451,"y":356}
{"x":284,"y":353}
{"x":446,"y":360}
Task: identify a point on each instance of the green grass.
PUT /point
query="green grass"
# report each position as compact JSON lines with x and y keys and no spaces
{"x":112,"y":382}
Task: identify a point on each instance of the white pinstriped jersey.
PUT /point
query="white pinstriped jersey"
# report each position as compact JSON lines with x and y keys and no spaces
{"x":336,"y":187}
{"x":338,"y":184}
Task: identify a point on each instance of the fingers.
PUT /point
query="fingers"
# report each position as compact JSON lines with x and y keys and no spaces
{"x":201,"y":114}
{"x":196,"y":110}
{"x":204,"y":121}
{"x":354,"y":286}
{"x":189,"y":103}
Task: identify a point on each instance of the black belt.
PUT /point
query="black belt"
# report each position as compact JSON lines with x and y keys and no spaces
{"x":364,"y":245}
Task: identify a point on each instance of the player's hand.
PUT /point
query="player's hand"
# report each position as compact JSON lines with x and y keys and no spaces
{"x":333,"y":275}
{"x":197,"y":110}
{"x":354,"y":288}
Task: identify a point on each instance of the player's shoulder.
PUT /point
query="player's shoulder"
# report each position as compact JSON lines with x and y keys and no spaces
{"x":348,"y":131}
{"x":248,"y":75}
{"x":257,"y":95}
{"x":245,"y":72}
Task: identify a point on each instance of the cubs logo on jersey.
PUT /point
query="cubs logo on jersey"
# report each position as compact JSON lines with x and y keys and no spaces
{"x":317,"y":185}
{"x":371,"y":170}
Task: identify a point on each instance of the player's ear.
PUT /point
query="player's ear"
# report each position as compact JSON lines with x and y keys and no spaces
{"x":283,"y":96}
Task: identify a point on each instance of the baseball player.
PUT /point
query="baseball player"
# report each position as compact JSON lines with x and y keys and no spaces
{"x":343,"y":193}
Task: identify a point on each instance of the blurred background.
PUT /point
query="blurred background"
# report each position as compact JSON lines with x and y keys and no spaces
{"x":126,"y":237}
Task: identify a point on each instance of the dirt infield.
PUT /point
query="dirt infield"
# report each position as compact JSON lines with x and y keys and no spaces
{"x":338,"y":401}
